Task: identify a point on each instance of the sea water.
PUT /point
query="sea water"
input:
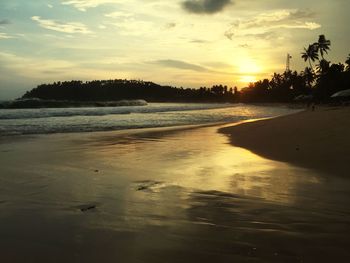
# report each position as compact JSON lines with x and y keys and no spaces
{"x":88,"y":119}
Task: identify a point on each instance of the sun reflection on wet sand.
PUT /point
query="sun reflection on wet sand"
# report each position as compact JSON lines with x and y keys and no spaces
{"x":185,"y":195}
{"x":204,"y":162}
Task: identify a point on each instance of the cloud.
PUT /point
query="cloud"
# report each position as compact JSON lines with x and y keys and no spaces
{"x":199,"y":41}
{"x":5,"y":36}
{"x":245,"y":45}
{"x":71,"y":27}
{"x":301,"y":25}
{"x":83,"y":5}
{"x":129,"y":24}
{"x":277,"y":18}
{"x":263,"y":24}
{"x":119,"y":15}
{"x":132,"y":27}
{"x":4,"y":22}
{"x":265,"y":35}
{"x":301,"y":14}
{"x":170,"y":25}
{"x":179,"y":65}
{"x":31,"y":66}
{"x":229,"y":33}
{"x":205,"y":6}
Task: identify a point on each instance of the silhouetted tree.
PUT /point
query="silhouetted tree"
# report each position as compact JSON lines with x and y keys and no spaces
{"x":310,"y":54}
{"x":323,"y":67}
{"x":330,"y":81}
{"x":347,"y":62}
{"x":323,"y":45}
{"x":309,"y":76}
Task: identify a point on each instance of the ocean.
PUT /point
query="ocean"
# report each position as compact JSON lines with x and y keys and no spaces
{"x":89,"y":119}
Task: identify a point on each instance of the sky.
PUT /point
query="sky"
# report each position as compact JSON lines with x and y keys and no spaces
{"x":188,"y":43}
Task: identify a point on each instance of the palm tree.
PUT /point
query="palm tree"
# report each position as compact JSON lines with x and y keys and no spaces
{"x":309,"y":76}
{"x":310,"y":54}
{"x":323,"y":66}
{"x":323,"y":45}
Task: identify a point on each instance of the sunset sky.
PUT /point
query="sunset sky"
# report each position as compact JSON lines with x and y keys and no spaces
{"x":188,"y":43}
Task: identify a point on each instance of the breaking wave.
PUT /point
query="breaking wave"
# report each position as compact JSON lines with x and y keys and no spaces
{"x":126,"y":115}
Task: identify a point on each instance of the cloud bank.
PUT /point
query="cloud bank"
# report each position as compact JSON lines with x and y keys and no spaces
{"x":4,"y":22}
{"x":70,"y":28}
{"x":205,"y":6}
{"x":5,"y":36}
{"x":83,"y":5}
{"x":264,"y":25}
{"x":179,"y":65}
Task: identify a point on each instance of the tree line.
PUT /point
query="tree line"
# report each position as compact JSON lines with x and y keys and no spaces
{"x":319,"y":80}
{"x":121,"y":89}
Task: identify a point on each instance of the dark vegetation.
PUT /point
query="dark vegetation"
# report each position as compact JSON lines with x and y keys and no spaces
{"x":119,"y":89}
{"x":317,"y":82}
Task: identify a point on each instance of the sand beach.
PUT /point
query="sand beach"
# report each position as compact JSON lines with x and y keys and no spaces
{"x":184,"y":195}
{"x":314,"y":139}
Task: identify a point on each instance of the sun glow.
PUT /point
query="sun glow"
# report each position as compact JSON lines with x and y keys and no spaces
{"x":248,"y":79}
{"x":248,"y":68}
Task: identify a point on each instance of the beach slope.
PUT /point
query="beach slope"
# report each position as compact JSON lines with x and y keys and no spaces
{"x":317,"y":139}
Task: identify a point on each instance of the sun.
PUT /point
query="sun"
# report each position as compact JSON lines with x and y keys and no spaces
{"x":248,"y":69}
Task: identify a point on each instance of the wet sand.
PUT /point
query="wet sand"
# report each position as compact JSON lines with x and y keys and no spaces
{"x":182,"y":195}
{"x":317,"y":139}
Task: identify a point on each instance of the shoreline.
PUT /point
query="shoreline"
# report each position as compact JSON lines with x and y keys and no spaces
{"x":111,"y":133}
{"x":311,"y":139}
{"x":156,"y":115}
{"x":151,"y":194}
